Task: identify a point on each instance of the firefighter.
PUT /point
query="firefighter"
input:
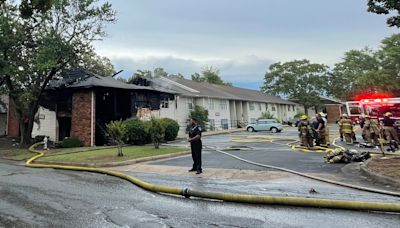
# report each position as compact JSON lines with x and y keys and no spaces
{"x":390,"y":131}
{"x":347,"y":129}
{"x":305,"y":132}
{"x":321,"y":131}
{"x":326,"y":132}
{"x":340,"y":125}
{"x":370,"y":131}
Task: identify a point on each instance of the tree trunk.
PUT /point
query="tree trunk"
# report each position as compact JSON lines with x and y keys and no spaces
{"x":156,"y":144}
{"x":120,"y":154}
{"x":26,"y":126}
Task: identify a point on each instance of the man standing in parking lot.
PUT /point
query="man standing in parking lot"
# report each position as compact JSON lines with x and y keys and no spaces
{"x":196,"y":146}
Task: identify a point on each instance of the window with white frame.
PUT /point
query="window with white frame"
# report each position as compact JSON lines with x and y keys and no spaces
{"x":223,"y":105}
{"x":259,"y":106}
{"x":190,"y":103}
{"x":210,"y":103}
{"x":251,"y":106}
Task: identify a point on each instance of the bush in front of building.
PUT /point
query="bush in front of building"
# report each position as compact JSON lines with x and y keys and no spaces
{"x":118,"y":131}
{"x":201,"y":114}
{"x":156,"y":132}
{"x":71,"y":142}
{"x":137,"y":133}
{"x":171,"y":129}
{"x":266,"y":115}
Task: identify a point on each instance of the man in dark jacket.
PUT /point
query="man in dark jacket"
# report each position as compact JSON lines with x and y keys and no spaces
{"x":196,"y":146}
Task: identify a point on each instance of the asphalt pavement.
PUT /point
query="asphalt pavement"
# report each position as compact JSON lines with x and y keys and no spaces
{"x":57,"y":198}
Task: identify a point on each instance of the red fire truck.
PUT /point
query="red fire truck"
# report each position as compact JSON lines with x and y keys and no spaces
{"x":376,"y":108}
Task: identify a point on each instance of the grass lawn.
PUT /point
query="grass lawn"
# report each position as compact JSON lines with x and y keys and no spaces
{"x":110,"y":154}
{"x":15,"y":154}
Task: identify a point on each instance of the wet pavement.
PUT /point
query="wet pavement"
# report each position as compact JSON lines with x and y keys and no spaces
{"x":57,"y":198}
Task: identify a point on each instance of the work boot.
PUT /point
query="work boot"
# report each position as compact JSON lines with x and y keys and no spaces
{"x":199,"y":172}
{"x":192,"y":170}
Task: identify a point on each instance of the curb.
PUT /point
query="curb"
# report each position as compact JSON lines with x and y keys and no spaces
{"x":378,"y":177}
{"x":120,"y":163}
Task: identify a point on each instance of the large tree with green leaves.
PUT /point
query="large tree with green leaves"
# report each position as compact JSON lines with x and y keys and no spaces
{"x":386,"y":7}
{"x":38,"y":40}
{"x":210,"y":75}
{"x":299,"y":80}
{"x":358,"y":71}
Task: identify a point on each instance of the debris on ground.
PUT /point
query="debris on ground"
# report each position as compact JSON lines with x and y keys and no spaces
{"x":340,"y":155}
{"x":313,"y":191}
{"x":388,"y":166}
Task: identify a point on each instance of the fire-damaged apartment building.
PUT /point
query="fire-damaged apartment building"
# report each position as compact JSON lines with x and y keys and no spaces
{"x":81,"y":103}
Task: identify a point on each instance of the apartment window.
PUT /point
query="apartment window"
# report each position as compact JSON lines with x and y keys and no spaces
{"x":293,"y":108}
{"x":190,"y":104}
{"x":165,"y":103}
{"x":225,"y":124}
{"x":211,"y":124}
{"x":273,"y":108}
{"x":211,"y":104}
{"x":251,"y":106}
{"x":259,"y":106}
{"x":266,"y":107}
{"x":288,"y":108}
{"x":223,"y":105}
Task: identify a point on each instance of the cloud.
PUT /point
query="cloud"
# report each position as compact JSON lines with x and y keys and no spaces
{"x":238,"y":70}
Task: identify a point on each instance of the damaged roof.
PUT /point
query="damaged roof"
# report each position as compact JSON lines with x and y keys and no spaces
{"x":80,"y":78}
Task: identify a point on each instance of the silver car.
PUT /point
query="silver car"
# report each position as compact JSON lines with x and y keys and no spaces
{"x":265,"y":125}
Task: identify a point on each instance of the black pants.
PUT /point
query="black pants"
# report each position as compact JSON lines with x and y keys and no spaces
{"x":196,"y":154}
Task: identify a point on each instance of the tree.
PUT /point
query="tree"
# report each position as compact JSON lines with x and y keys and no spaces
{"x":156,"y":132}
{"x":97,"y":64}
{"x":299,"y":80}
{"x":200,"y":114}
{"x":118,"y":131}
{"x":386,"y":7}
{"x":210,"y":75}
{"x":159,"y":72}
{"x":357,"y":72}
{"x":38,"y":40}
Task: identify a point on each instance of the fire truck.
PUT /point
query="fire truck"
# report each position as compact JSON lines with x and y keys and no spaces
{"x":376,"y":108}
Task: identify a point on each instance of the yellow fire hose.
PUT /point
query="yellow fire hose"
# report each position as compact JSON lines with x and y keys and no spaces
{"x":240,"y":198}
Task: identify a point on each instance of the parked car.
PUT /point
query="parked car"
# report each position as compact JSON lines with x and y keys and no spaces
{"x":265,"y":125}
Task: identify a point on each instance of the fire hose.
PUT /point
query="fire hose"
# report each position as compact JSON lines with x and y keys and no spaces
{"x":239,"y":198}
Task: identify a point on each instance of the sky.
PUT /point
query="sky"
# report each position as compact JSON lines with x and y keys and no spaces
{"x":239,"y":37}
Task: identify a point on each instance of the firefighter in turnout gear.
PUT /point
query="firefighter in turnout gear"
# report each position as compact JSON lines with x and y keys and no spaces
{"x":370,"y":131}
{"x":347,"y":129}
{"x":340,"y":126}
{"x":390,"y":131}
{"x":305,"y":132}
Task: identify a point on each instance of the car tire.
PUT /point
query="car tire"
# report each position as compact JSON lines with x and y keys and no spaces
{"x":274,"y":130}
{"x":250,"y":129}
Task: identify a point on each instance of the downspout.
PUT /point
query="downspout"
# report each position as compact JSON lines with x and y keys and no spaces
{"x":91,"y":122}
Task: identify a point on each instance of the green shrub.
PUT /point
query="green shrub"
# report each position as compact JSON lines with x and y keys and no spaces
{"x":201,"y":115}
{"x":136,"y":132}
{"x":118,"y":131}
{"x":156,"y":131}
{"x":71,"y":142}
{"x":171,"y":129}
{"x":266,"y":115}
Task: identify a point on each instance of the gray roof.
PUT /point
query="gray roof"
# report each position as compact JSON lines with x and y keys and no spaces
{"x":203,"y":89}
{"x":80,"y":78}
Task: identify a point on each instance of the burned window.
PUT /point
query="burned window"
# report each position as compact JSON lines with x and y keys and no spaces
{"x":165,"y":103}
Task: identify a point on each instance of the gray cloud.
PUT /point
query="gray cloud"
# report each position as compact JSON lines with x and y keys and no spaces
{"x":246,"y":69}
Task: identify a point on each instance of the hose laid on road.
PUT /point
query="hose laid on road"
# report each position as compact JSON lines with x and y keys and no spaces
{"x":240,"y":198}
{"x":311,"y":176}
